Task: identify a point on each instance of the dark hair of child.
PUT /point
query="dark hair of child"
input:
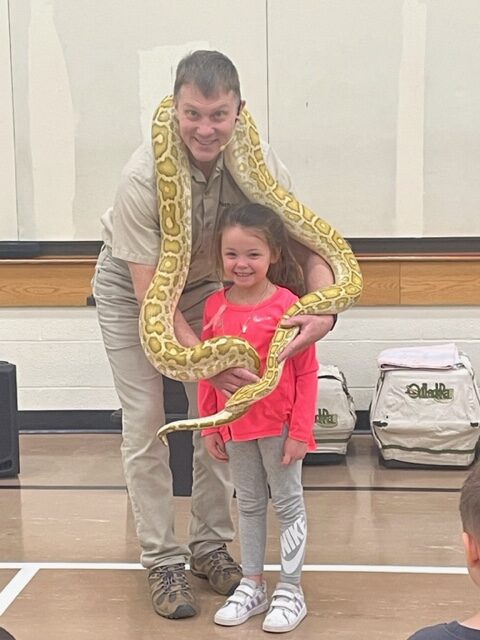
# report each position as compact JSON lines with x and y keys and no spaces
{"x":285,"y":271}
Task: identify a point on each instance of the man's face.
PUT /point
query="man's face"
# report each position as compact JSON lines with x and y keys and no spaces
{"x":205,"y":123}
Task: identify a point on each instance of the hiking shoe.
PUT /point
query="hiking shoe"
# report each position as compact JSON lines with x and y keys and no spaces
{"x":172,"y":596}
{"x":220,"y":569}
{"x":287,"y":609}
{"x":247,"y":600}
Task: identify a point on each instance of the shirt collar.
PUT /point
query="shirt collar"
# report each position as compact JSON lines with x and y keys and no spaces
{"x":198,"y":176}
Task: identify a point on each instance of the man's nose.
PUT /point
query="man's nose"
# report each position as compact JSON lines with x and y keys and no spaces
{"x":205,"y":128}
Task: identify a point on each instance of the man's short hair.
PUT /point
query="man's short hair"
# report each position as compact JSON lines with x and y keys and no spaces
{"x":211,"y":71}
{"x":470,"y":503}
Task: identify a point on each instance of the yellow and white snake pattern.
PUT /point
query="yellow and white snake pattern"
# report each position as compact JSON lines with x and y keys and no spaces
{"x":244,"y":159}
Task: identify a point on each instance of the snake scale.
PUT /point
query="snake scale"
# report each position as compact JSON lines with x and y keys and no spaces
{"x":244,"y":159}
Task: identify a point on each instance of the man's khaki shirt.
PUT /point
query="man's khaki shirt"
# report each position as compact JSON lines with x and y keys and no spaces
{"x":131,"y":227}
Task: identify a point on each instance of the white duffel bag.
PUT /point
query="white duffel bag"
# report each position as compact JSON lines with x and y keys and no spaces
{"x":336,"y":417}
{"x":426,"y":408}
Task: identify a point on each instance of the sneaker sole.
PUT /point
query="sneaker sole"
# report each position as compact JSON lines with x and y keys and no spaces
{"x":287,"y":627}
{"x":260,"y":608}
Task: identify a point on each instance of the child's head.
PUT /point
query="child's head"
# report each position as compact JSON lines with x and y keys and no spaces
{"x":265,"y":224}
{"x":470,"y":503}
{"x":470,"y":515}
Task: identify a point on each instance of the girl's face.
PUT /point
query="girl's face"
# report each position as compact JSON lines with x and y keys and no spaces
{"x":246,"y":257}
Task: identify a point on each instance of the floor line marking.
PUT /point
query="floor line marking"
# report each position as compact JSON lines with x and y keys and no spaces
{"x":16,"y":585}
{"x":321,"y":568}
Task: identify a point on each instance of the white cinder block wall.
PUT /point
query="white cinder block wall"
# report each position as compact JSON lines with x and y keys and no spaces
{"x":60,"y":359}
{"x":61,"y":363}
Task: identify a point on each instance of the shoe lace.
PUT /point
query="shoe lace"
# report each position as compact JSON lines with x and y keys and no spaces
{"x":173,"y":577}
{"x":222,"y":561}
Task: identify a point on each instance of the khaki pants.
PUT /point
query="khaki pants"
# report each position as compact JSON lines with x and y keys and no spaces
{"x":145,"y":458}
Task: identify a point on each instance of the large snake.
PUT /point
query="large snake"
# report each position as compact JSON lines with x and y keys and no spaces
{"x":244,"y":159}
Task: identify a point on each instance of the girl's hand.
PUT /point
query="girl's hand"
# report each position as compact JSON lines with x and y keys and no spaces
{"x":216,"y":446}
{"x":293,"y":450}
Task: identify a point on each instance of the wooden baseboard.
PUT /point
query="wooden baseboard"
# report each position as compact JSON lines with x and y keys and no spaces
{"x":396,"y":280}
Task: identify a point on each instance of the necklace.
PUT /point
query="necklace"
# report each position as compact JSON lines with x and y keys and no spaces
{"x":246,"y":322}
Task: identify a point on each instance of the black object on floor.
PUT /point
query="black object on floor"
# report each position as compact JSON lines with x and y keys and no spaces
{"x":9,"y":456}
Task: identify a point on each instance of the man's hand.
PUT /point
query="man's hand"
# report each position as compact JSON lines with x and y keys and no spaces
{"x":230,"y":380}
{"x":312,"y":328}
{"x":216,"y":446}
{"x":293,"y":450}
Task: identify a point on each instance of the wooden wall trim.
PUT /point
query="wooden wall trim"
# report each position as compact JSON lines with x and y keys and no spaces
{"x":440,"y":280}
{"x":440,"y":283}
{"x":45,"y":283}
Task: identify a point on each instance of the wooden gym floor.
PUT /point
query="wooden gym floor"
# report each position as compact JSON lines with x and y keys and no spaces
{"x":384,"y":553}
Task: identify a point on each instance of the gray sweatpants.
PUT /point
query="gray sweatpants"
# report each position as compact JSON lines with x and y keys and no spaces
{"x":254,"y":465}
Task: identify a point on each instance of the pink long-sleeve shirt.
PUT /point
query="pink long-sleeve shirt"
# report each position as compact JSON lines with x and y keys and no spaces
{"x":293,"y":402}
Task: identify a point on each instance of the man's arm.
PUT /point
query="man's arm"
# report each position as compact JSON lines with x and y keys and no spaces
{"x":141,"y":275}
{"x":317,"y":274}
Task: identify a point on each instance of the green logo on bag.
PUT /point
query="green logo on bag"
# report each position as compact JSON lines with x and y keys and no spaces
{"x":422,"y":392}
{"x":326,"y":419}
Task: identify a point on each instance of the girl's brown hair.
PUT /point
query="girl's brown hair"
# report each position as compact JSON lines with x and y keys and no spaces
{"x":286,"y":271}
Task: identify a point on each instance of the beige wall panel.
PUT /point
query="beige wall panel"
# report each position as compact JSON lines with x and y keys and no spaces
{"x":333,"y":101}
{"x":452,"y":120}
{"x":374,"y":106}
{"x":8,"y":213}
{"x":85,"y":75}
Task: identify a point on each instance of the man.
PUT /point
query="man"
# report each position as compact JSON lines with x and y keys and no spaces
{"x":207,"y":103}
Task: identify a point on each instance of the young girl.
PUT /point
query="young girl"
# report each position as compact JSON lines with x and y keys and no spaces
{"x":267,"y":445}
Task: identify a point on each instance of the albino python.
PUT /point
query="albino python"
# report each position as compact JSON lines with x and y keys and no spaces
{"x":244,"y":159}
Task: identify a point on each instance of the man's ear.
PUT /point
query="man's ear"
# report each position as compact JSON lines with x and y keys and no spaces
{"x":240,"y":107}
{"x":472,"y":550}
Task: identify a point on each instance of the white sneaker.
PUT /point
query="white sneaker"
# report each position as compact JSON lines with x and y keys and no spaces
{"x":247,"y":600}
{"x":287,"y":609}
